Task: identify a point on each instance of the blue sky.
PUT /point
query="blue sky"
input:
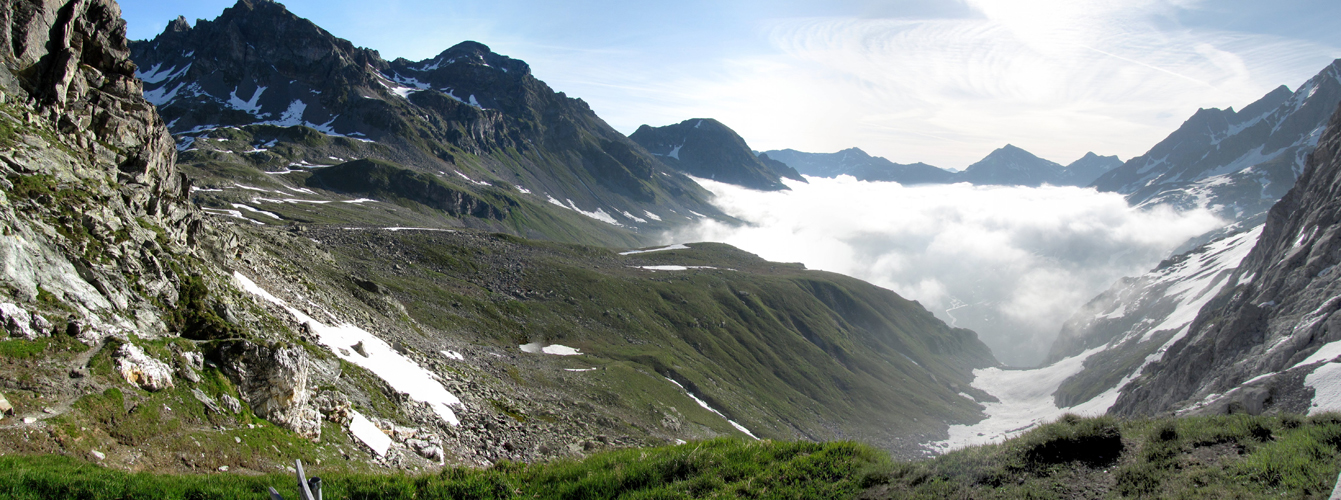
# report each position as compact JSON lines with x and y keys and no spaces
{"x":944,"y":82}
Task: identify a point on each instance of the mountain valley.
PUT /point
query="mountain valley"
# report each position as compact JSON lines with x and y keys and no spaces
{"x":248,"y":241}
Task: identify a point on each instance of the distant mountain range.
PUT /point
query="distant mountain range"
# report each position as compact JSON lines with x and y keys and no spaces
{"x":1008,"y":165}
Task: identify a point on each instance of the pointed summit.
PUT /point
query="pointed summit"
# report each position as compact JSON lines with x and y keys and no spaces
{"x":1011,"y":166}
{"x":179,"y":25}
{"x":1084,"y":171}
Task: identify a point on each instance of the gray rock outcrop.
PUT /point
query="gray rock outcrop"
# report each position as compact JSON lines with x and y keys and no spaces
{"x":274,"y":382}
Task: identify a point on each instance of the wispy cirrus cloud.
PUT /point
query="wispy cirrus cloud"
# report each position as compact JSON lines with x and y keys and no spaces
{"x":1058,"y":78}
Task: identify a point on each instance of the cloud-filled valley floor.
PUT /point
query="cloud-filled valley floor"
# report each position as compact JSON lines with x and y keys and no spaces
{"x":1011,"y":263}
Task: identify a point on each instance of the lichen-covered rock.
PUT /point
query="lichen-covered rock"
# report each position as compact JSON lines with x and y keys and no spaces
{"x":20,"y":323}
{"x":142,"y":370}
{"x":274,"y":382}
{"x":335,"y":407}
{"x":231,"y":403}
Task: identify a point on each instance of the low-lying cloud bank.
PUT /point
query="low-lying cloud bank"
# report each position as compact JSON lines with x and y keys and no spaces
{"x":1011,"y":263}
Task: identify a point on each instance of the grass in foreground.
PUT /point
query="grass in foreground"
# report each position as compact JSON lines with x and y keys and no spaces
{"x":721,"y":468}
{"x":1237,"y":456}
{"x":1205,"y":457}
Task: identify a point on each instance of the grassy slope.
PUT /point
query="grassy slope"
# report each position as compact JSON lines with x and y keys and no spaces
{"x":787,"y":352}
{"x":1205,"y":457}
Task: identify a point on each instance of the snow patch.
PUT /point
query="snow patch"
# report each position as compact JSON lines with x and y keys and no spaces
{"x":635,"y":218}
{"x":251,"y":106}
{"x":672,"y":268}
{"x":677,"y":246}
{"x":252,"y":209}
{"x":599,"y":214}
{"x":369,"y":434}
{"x":230,"y":213}
{"x":705,"y":406}
{"x":1326,"y":383}
{"x":472,"y":181}
{"x":401,"y":373}
{"x":553,"y":349}
{"x":1025,"y":402}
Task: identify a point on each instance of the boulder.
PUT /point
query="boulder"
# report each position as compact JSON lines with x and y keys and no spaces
{"x":274,"y":382}
{"x":20,"y":323}
{"x":142,"y":370}
{"x":6,"y":409}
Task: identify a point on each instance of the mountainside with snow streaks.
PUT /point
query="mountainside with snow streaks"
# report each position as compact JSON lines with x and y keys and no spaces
{"x":1268,"y":342}
{"x":708,"y":149}
{"x":1137,"y":319}
{"x":1237,"y":163}
{"x":262,"y":97}
{"x":1104,"y":345}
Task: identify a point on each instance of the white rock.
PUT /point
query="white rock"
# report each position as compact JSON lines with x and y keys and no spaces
{"x":97,"y":454}
{"x":138,"y":368}
{"x":5,"y":407}
{"x":231,"y":403}
{"x":19,"y":323}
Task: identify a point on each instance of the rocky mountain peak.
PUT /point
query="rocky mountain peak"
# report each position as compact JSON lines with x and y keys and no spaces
{"x":706,"y":148}
{"x":179,"y":25}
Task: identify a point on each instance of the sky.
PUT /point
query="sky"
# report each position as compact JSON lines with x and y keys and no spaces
{"x":1010,"y":263}
{"x":938,"y":81}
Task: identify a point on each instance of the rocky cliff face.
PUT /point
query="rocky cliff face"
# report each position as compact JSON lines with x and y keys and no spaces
{"x":1237,"y":163}
{"x":261,"y":90}
{"x":94,"y":209}
{"x":705,"y":148}
{"x":101,"y":243}
{"x":1267,"y":342}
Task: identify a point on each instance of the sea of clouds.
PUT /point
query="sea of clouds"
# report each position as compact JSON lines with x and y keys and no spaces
{"x":1011,"y":263}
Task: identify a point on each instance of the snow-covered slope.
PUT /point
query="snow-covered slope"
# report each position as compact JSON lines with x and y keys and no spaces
{"x":1105,"y":344}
